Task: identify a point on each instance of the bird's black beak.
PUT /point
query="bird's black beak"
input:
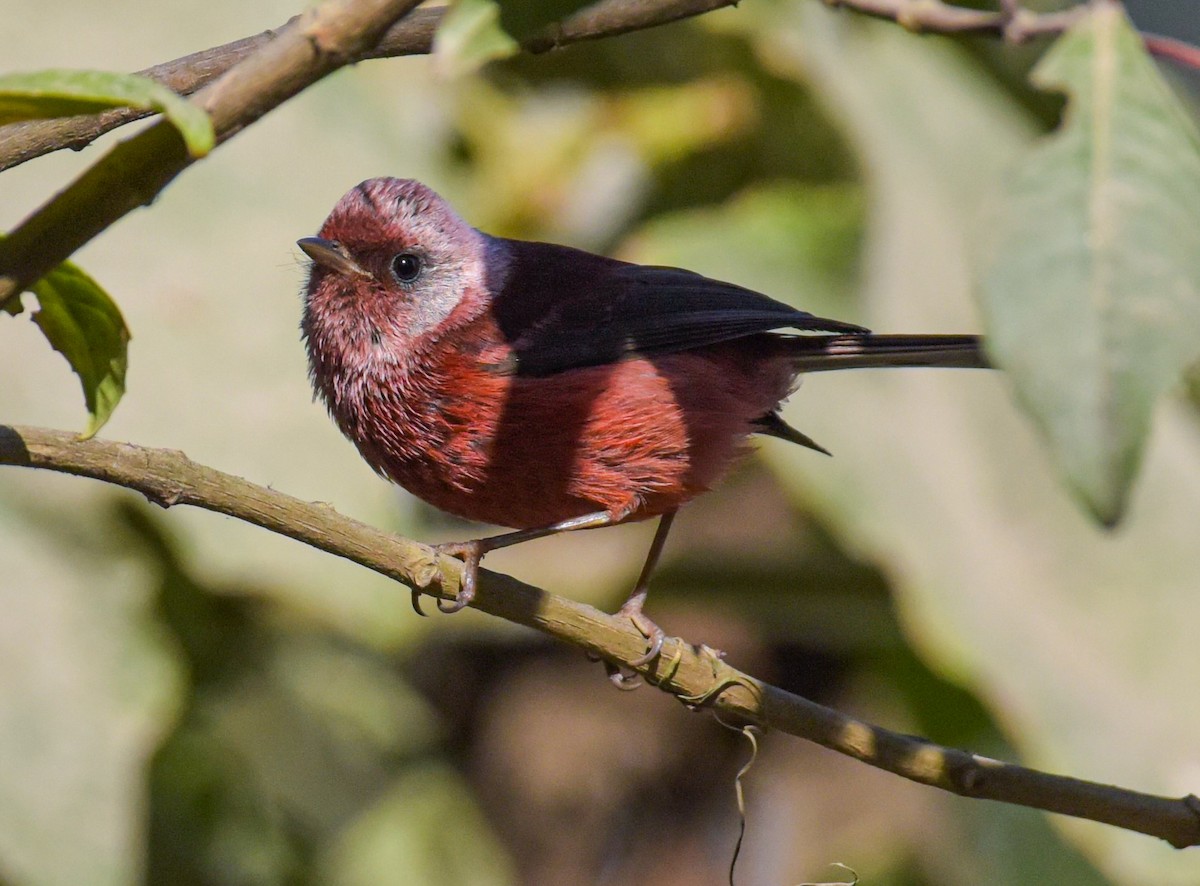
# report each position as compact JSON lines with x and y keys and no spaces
{"x":332,"y":255}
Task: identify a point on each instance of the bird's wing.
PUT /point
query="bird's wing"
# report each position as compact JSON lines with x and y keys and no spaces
{"x":560,"y":309}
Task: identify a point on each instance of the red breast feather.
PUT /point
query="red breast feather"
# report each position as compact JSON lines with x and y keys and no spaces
{"x":457,"y":428}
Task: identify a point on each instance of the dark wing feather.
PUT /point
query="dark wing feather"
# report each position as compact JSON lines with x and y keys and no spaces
{"x":561,"y":308}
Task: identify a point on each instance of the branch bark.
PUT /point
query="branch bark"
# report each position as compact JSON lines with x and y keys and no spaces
{"x":695,"y":676}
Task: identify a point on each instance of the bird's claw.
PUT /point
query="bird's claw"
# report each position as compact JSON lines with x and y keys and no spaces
{"x":471,"y":553}
{"x":625,"y":678}
{"x":458,"y":604}
{"x":653,"y":633}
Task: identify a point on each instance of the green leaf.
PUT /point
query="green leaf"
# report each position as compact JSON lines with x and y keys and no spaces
{"x":1091,"y":278}
{"x":469,"y":37}
{"x":64,"y":93}
{"x":85,"y":326}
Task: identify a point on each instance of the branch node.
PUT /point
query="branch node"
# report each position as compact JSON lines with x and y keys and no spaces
{"x":165,"y":496}
{"x":969,"y":779}
{"x":425,"y":570}
{"x":1186,"y":837}
{"x":548,"y":39}
{"x":912,"y":14}
{"x":323,"y":39}
{"x":1192,"y":802}
{"x":724,"y":678}
{"x":1019,"y":26}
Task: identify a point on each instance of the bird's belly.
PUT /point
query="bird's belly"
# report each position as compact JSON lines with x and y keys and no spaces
{"x":636,"y":438}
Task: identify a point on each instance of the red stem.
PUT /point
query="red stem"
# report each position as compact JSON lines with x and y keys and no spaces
{"x":1175,"y":50}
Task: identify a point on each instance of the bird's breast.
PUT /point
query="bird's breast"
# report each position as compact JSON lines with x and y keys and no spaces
{"x":454,"y":425}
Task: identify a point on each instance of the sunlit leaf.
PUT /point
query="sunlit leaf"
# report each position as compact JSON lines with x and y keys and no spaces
{"x":1091,"y":280}
{"x":571,"y":166}
{"x":63,"y":93}
{"x":670,"y":122}
{"x":84,"y":324}
{"x":469,"y":37}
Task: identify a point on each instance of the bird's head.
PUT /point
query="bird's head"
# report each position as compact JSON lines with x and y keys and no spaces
{"x":392,"y":262}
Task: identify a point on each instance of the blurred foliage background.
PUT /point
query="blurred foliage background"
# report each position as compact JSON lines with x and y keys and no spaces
{"x":185,"y":699}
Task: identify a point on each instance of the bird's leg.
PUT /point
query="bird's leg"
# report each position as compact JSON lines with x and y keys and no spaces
{"x":473,"y":551}
{"x":632,"y":608}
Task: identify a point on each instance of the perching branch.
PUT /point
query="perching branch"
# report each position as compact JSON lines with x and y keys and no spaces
{"x":695,"y":676}
{"x":413,"y":35}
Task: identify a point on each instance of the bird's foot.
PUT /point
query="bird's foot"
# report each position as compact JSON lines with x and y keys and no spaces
{"x":654,"y":635}
{"x":471,"y":553}
{"x":624,"y":678}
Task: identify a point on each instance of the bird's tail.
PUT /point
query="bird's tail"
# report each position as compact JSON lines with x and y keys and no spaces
{"x":816,"y":353}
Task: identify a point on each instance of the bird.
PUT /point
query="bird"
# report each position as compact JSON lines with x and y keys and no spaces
{"x":547,"y":389}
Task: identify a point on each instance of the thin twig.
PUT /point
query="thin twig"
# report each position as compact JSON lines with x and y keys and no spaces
{"x":413,"y":35}
{"x":1012,"y":22}
{"x":321,"y":40}
{"x":751,"y":734}
{"x":1174,"y":50}
{"x":168,"y":477}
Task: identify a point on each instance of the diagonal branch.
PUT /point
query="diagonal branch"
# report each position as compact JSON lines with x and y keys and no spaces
{"x":321,"y":40}
{"x":413,"y":35}
{"x":696,"y":676}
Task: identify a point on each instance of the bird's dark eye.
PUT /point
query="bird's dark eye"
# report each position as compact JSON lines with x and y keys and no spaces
{"x":406,"y":267}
